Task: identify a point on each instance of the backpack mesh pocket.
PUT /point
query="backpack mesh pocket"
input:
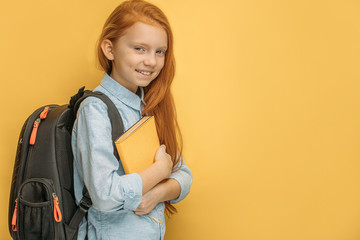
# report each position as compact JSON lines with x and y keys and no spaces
{"x":35,"y":210}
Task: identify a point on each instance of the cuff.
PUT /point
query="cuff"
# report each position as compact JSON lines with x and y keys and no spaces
{"x":181,"y":177}
{"x":132,"y":189}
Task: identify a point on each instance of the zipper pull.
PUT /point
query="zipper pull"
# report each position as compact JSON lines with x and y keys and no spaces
{"x":57,"y":212}
{"x":13,"y":222}
{"x":44,"y":113}
{"x":34,"y":131}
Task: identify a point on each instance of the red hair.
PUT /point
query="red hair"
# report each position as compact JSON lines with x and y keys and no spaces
{"x":158,"y":97}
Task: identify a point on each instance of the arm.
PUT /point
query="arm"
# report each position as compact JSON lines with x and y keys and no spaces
{"x":174,"y":189}
{"x":96,"y":163}
{"x":184,"y":177}
{"x":164,"y":191}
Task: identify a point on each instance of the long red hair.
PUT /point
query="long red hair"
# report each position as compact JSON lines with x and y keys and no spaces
{"x":158,"y":98}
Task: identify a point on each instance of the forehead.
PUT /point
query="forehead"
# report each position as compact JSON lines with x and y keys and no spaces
{"x":152,"y":35}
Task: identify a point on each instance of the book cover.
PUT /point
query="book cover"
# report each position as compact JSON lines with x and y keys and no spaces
{"x":138,"y":145}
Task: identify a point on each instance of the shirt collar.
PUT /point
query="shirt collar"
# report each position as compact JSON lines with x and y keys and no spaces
{"x":123,"y":94}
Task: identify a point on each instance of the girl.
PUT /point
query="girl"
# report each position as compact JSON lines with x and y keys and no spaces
{"x":135,"y":50}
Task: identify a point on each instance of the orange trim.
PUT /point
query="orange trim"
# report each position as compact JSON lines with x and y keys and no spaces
{"x":156,"y":219}
{"x":57,"y":212}
{"x":34,"y":131}
{"x":44,"y":113}
{"x":13,"y":222}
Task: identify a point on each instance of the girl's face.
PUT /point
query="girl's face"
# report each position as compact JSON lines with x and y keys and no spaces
{"x":138,"y":56}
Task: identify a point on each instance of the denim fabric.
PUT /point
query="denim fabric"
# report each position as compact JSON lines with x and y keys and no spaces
{"x":114,"y":195}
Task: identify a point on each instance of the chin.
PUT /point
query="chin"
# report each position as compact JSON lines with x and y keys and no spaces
{"x":144,"y":83}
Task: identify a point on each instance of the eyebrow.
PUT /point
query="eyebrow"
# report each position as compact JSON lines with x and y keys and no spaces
{"x":146,"y":45}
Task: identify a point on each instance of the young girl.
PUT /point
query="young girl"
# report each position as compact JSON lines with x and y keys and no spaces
{"x":135,"y":50}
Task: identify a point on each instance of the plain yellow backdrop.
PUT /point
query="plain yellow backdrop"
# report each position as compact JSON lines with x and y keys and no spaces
{"x":268,"y":99}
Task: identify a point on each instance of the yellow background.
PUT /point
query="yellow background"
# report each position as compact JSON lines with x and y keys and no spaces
{"x":268,"y":98}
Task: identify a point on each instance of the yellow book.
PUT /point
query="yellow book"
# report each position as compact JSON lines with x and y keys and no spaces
{"x":138,"y":145}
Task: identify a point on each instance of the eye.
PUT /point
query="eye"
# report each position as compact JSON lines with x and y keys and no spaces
{"x":139,"y":49}
{"x":162,"y":52}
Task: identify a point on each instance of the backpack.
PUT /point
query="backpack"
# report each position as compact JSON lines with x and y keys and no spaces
{"x":42,"y":201}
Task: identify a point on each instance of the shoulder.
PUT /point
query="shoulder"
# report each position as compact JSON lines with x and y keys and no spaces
{"x":92,"y":116}
{"x":93,"y":111}
{"x":92,"y":104}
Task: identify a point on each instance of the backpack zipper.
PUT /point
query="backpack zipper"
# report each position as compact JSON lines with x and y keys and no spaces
{"x":34,"y":131}
{"x":42,"y":116}
{"x":57,"y":212}
{"x":14,"y":218}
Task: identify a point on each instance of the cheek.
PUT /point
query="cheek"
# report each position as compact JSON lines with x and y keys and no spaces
{"x":131,"y":60}
{"x":162,"y":63}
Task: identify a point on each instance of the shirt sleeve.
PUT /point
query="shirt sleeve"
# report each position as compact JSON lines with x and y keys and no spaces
{"x":184,"y":177}
{"x":108,"y":190}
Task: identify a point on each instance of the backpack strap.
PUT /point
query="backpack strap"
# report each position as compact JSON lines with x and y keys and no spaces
{"x":117,"y":128}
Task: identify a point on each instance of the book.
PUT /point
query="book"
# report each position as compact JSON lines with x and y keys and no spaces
{"x":138,"y":145}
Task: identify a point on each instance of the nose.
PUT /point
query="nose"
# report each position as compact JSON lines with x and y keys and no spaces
{"x":150,"y":60}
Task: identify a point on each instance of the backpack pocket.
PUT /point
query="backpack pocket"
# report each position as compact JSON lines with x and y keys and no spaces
{"x":37,"y":210}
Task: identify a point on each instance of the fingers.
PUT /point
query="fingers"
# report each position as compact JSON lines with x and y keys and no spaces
{"x":163,"y":161}
{"x":139,"y":213}
{"x":162,"y":148}
{"x":141,"y":209}
{"x":161,"y":152}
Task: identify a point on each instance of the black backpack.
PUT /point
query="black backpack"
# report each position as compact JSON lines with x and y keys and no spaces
{"x":42,"y":201}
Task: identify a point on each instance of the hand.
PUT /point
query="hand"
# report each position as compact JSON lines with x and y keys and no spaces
{"x":163,"y":160}
{"x":149,"y":202}
{"x":161,"y":169}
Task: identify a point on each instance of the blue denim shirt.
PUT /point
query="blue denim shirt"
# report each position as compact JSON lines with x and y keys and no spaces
{"x":114,"y":195}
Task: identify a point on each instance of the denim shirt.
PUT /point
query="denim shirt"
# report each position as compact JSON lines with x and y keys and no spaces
{"x":114,"y":195}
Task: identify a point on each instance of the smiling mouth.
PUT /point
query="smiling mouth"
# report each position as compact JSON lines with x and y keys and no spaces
{"x":145,"y":73}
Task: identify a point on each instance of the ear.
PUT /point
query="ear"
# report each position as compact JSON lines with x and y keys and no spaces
{"x":107,"y":48}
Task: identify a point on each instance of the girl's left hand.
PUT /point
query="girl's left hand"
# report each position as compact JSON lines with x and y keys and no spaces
{"x":149,"y":201}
